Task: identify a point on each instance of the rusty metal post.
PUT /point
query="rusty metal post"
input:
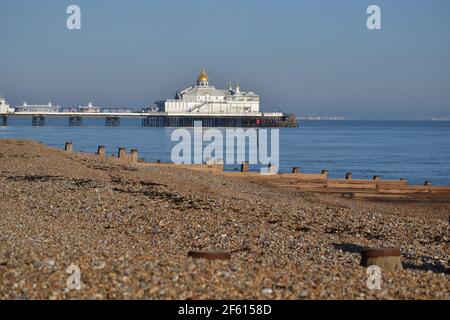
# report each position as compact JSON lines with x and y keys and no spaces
{"x":209,"y":255}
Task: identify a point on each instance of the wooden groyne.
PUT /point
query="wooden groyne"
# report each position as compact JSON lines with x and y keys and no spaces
{"x":375,"y":189}
{"x":368,"y":189}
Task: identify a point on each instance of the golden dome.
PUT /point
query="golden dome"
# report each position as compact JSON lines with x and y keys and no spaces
{"x":203,"y":77}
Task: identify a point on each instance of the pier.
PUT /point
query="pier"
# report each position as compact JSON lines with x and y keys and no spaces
{"x":160,"y":119}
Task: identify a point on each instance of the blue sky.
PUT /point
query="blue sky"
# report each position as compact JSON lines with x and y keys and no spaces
{"x":307,"y":57}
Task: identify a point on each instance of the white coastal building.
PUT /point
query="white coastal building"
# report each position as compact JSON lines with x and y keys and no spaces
{"x":4,"y":106}
{"x":205,"y":99}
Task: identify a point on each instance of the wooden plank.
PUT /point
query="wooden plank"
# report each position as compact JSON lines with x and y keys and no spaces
{"x":331,"y":184}
{"x":306,"y":185}
{"x":306,"y":176}
{"x":430,"y":188}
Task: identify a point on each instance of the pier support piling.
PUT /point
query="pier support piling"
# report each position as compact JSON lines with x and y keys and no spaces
{"x":68,"y":147}
{"x":112,"y":121}
{"x":75,"y":121}
{"x":219,"y":121}
{"x":101,"y":151}
{"x":3,"y":121}
{"x":38,"y":121}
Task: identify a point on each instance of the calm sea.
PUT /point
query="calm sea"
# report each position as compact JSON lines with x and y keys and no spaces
{"x":416,"y":150}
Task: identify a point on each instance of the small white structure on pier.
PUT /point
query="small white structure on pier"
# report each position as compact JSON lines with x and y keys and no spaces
{"x":205,"y":99}
{"x":90,"y":108}
{"x":4,"y":106}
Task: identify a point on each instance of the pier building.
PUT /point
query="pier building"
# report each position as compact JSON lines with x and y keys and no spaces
{"x":203,"y":102}
{"x":41,"y":108}
{"x":204,"y":99}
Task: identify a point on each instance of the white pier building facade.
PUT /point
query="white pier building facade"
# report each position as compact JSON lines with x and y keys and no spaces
{"x":39,"y":108}
{"x":205,"y":99}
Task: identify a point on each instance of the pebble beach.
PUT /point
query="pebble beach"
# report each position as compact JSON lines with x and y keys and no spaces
{"x":129,"y":230}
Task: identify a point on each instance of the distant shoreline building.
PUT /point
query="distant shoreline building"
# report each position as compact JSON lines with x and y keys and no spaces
{"x":205,"y":99}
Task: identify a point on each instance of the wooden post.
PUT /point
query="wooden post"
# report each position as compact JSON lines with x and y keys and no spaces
{"x":272,"y":168}
{"x":325,"y":172}
{"x":122,"y":154}
{"x":101,"y":151}
{"x":348,"y":176}
{"x":427,"y":183}
{"x":244,"y":166}
{"x":376,"y":177}
{"x":133,"y":155}
{"x":68,"y":147}
{"x":295,"y":170}
{"x":385,"y":258}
